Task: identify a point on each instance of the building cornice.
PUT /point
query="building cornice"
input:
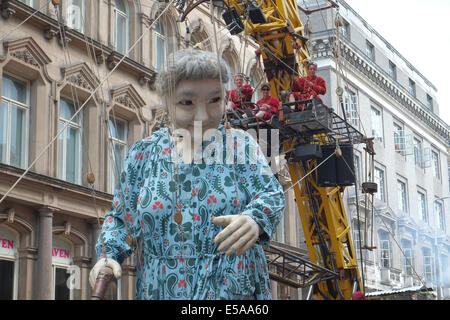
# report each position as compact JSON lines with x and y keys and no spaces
{"x":323,"y":48}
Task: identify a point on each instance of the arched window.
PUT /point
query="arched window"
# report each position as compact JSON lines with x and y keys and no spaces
{"x":160,"y":45}
{"x":62,"y":254}
{"x":121,"y":26}
{"x":9,"y":242}
{"x":76,"y":15}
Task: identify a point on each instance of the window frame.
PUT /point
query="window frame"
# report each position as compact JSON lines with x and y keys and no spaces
{"x":435,"y":165}
{"x":412,"y":87}
{"x":111,"y":144}
{"x":422,"y":207}
{"x":389,"y":257}
{"x":125,"y":15}
{"x":82,"y":17}
{"x":381,"y":184}
{"x":63,"y":176}
{"x":370,"y":50}
{"x":392,"y":70}
{"x":403,"y":206}
{"x":399,"y":138}
{"x":160,"y":35}
{"x":26,"y":130}
{"x":418,"y":152}
{"x":426,"y":265}
{"x":430,"y":102}
{"x":440,"y":215}
{"x":408,"y":257}
{"x":378,"y":123}
{"x":345,"y":30}
{"x":351,"y":107}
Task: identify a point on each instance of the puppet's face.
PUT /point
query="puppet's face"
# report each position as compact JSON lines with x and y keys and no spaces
{"x":198,"y":100}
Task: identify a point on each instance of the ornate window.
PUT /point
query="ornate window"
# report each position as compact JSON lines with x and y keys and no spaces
{"x":121,"y":26}
{"x":69,"y":142}
{"x":14,"y":114}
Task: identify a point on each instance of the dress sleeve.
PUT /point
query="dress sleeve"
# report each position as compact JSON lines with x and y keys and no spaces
{"x":114,"y":231}
{"x":267,"y":203}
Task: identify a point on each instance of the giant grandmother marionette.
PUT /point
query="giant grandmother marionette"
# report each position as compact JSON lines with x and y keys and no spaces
{"x":196,"y":212}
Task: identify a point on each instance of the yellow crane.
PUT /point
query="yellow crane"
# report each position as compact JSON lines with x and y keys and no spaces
{"x":306,"y":137}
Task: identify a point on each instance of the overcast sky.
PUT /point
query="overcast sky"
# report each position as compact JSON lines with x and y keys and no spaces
{"x":420,"y":31}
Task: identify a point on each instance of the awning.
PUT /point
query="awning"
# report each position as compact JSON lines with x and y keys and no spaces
{"x":403,"y":291}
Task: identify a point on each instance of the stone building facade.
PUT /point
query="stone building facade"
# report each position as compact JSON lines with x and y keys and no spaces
{"x":387,"y":98}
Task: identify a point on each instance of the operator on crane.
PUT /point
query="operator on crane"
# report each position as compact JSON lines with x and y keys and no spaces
{"x":308,"y":87}
{"x":237,"y":98}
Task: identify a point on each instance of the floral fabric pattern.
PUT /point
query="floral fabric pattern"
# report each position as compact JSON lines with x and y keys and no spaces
{"x":181,"y":261}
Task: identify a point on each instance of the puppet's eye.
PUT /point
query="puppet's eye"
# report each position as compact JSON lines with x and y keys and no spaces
{"x":214,"y":100}
{"x":185,"y":102}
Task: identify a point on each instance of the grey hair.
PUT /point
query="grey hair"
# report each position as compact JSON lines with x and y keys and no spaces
{"x":190,"y":64}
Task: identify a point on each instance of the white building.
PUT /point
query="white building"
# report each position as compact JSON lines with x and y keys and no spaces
{"x":387,"y":98}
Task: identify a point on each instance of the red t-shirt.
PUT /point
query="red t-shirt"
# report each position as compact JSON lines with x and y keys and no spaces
{"x":274,"y":103}
{"x":304,"y":92}
{"x":237,"y":97}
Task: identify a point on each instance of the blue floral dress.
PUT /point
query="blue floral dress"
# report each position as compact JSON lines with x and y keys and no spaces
{"x":181,"y":261}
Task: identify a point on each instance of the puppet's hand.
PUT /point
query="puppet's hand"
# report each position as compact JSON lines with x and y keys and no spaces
{"x":239,"y":235}
{"x":110,"y":263}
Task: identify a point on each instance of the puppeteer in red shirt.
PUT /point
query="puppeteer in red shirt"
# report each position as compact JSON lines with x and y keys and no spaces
{"x":310,"y":86}
{"x":239,"y":96}
{"x":271,"y":108}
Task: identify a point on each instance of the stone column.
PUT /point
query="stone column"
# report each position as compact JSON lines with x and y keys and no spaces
{"x":44,"y":260}
{"x":27,"y":259}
